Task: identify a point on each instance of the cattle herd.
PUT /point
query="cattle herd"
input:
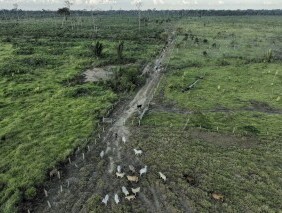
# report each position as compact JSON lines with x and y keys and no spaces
{"x":130,"y":195}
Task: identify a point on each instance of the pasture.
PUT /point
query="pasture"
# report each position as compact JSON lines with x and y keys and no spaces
{"x":213,"y":127}
{"x":46,"y":109}
{"x":218,"y":142}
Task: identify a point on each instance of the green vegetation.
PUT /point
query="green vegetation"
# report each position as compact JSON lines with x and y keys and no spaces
{"x":46,"y":110}
{"x":214,"y":126}
{"x":223,"y":134}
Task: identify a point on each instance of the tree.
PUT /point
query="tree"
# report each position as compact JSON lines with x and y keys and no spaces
{"x":16,"y":6}
{"x":64,"y":12}
{"x":68,"y":4}
{"x":120,"y":48}
{"x":138,"y":4}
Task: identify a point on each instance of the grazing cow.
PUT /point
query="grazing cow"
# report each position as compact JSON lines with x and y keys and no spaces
{"x":131,"y":197}
{"x":124,"y":190}
{"x":53,"y":173}
{"x":117,"y":199}
{"x":218,"y":196}
{"x":139,"y":106}
{"x":143,"y":171}
{"x":119,"y":169}
{"x":131,"y":168}
{"x":123,"y":139}
{"x":102,"y":154}
{"x":105,"y":200}
{"x":132,"y":178}
{"x":136,"y":190}
{"x":121,"y":175}
{"x":138,"y":152}
{"x":162,"y":176}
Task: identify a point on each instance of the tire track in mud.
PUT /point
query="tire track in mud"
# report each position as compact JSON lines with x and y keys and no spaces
{"x":93,"y":175}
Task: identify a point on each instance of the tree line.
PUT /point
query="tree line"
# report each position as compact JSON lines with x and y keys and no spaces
{"x":18,"y":13}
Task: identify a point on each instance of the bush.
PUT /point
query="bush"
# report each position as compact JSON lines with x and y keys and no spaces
{"x":7,"y":39}
{"x":126,"y":79}
{"x":268,"y":56}
{"x":222,"y":62}
{"x":97,"y":49}
{"x":25,"y":51}
{"x":163,"y":36}
{"x":251,"y":129}
{"x":9,"y":69}
{"x":201,"y":120}
{"x":30,"y":193}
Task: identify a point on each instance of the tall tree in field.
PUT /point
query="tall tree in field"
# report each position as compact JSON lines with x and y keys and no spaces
{"x":15,"y":7}
{"x":138,"y":4}
{"x":120,"y":48}
{"x":64,"y":12}
{"x":68,"y":4}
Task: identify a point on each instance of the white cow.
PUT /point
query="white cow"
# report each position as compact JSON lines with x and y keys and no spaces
{"x":143,"y":170}
{"x":106,"y":199}
{"x":102,"y":154}
{"x":117,"y":199}
{"x":119,"y":169}
{"x":131,"y":168}
{"x":124,"y":190}
{"x":123,"y":139}
{"x":138,"y":152}
{"x":136,"y":190}
{"x":162,"y":176}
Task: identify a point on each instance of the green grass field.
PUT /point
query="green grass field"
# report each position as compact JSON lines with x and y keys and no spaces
{"x":223,"y":136}
{"x":45,"y":110}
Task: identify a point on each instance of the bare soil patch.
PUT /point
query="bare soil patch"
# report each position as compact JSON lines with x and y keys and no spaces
{"x":97,"y":74}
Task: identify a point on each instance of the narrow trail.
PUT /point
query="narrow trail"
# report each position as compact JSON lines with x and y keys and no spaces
{"x":92,"y":173}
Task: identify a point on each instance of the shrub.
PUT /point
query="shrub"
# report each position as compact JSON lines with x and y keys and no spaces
{"x":25,"y":51}
{"x":120,"y":48}
{"x":30,"y":193}
{"x":268,"y":56}
{"x":251,"y":129}
{"x":126,"y":79}
{"x":7,"y":39}
{"x":9,"y":69}
{"x":201,"y":120}
{"x":222,"y":62}
{"x":163,"y":36}
{"x":97,"y":49}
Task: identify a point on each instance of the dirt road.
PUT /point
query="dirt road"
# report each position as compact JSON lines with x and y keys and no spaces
{"x":90,"y":176}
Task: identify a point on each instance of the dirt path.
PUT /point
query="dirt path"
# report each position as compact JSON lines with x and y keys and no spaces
{"x":91,"y":175}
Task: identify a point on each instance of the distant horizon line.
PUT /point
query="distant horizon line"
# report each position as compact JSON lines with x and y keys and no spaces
{"x":106,"y":10}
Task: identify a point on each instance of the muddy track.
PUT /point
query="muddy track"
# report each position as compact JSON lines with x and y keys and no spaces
{"x":90,"y":174}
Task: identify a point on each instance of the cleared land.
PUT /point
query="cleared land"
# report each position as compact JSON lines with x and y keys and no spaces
{"x":46,"y":109}
{"x":218,"y":142}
